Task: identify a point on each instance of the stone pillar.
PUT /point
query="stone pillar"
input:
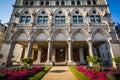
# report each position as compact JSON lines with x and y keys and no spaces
{"x":21,"y":48}
{"x":39,"y":55}
{"x":90,"y":50}
{"x":30,"y":46}
{"x":53,"y":55}
{"x":49,"y":62}
{"x":66,"y":55}
{"x":9,"y":63}
{"x":70,"y":54}
{"x":23,"y":52}
{"x":112,"y":54}
{"x":82,"y":60}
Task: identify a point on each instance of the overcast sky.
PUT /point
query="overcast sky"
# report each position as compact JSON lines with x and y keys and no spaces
{"x":6,"y":10}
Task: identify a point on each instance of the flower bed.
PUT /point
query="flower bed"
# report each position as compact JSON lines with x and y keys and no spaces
{"x":95,"y":75}
{"x":20,"y":74}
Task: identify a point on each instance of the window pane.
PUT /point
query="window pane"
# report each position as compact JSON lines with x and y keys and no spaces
{"x":57,"y":2}
{"x":28,"y":19}
{"x":89,"y":2}
{"x":31,"y":3}
{"x":98,"y":19}
{"x":45,"y":19}
{"x":78,"y":2}
{"x":26,"y":3}
{"x":40,"y":19}
{"x":74,"y":19}
{"x":42,"y":3}
{"x":23,"y":19}
{"x":62,"y":3}
{"x":73,"y":2}
{"x":80,"y":19}
{"x":62,"y":19}
{"x":47,"y":2}
{"x":57,"y":19}
{"x":92,"y":18}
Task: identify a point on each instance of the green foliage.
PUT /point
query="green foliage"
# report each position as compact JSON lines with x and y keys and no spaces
{"x":93,"y":59}
{"x":79,"y":75}
{"x":39,"y":75}
{"x":27,"y":60}
{"x":1,"y":55}
{"x":117,"y":60}
{"x":21,"y":68}
{"x":114,"y":76}
{"x":2,"y":76}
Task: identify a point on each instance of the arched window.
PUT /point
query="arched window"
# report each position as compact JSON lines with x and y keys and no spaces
{"x":62,"y":2}
{"x":78,"y":2}
{"x":26,"y":3}
{"x":76,"y":18}
{"x":73,"y":2}
{"x":60,"y":18}
{"x":42,"y":3}
{"x":47,"y":2}
{"x":31,"y":2}
{"x":42,"y":18}
{"x":95,"y":18}
{"x":25,"y":18}
{"x":89,"y":2}
{"x":94,"y":2}
{"x":57,"y":2}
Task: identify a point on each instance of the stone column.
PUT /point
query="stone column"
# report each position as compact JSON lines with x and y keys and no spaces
{"x":70,"y":54}
{"x":39,"y":55}
{"x":48,"y":62}
{"x":21,"y":48}
{"x":23,"y":52}
{"x":53,"y":55}
{"x":82,"y":60}
{"x":112,"y":54}
{"x":30,"y":46}
{"x":90,"y":50}
{"x":10,"y":55}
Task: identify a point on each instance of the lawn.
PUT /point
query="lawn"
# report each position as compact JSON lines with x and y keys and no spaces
{"x":39,"y":75}
{"x":79,"y":75}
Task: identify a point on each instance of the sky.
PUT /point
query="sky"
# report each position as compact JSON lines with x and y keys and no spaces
{"x":6,"y":10}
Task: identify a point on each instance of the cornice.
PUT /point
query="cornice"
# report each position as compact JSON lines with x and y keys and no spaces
{"x":16,"y":6}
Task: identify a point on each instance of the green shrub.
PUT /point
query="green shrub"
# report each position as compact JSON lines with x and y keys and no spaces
{"x":1,"y":55}
{"x":93,"y":59}
{"x":117,"y":60}
{"x":27,"y":60}
{"x":113,"y":76}
{"x":2,"y":76}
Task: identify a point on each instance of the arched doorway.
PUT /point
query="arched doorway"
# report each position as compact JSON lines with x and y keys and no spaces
{"x":101,"y":47}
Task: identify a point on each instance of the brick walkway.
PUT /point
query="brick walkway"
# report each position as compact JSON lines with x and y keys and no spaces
{"x":59,"y":73}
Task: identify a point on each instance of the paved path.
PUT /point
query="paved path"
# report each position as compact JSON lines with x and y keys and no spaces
{"x":59,"y":73}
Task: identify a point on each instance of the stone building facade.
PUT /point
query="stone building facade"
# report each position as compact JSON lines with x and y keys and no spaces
{"x":60,"y":32}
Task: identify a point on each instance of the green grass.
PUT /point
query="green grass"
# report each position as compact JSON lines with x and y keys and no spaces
{"x":79,"y":75}
{"x":39,"y":75}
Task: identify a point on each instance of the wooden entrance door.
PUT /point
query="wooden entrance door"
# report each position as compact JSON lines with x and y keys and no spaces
{"x":76,"y":56}
{"x":44,"y":55}
{"x":60,"y":55}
